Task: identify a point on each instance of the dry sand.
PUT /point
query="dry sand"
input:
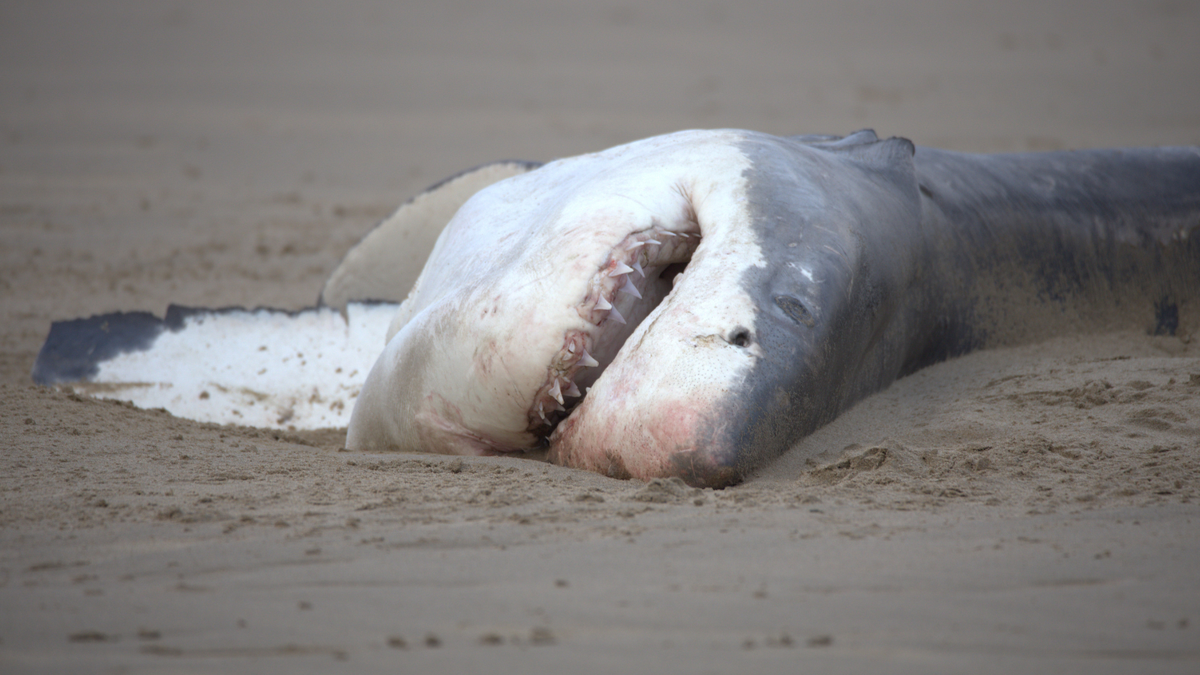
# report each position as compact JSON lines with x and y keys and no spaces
{"x":1023,"y":510}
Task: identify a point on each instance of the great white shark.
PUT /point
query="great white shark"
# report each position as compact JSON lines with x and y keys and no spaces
{"x":693,"y":304}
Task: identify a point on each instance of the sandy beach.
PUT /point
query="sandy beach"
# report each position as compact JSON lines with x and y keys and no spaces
{"x":1028,"y":509}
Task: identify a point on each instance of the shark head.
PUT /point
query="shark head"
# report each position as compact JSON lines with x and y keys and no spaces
{"x":688,"y":305}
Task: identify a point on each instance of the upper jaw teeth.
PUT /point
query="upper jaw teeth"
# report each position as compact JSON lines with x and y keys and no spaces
{"x":629,"y":289}
{"x":654,"y":247}
{"x":638,"y":251}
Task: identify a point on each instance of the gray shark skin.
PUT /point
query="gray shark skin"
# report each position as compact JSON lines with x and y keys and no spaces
{"x":883,"y":259}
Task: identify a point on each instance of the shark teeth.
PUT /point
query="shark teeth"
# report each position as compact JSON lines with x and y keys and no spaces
{"x":616,"y":316}
{"x":597,"y":306}
{"x":629,"y":289}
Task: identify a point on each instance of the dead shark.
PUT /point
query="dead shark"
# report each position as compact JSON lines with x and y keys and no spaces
{"x":693,"y":304}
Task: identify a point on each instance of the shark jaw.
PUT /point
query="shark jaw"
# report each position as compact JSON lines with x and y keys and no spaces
{"x":568,"y":295}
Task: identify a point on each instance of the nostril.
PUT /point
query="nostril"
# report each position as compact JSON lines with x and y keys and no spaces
{"x":740,"y":337}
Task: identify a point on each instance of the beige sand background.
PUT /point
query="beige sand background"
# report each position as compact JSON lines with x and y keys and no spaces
{"x":1025,"y":510}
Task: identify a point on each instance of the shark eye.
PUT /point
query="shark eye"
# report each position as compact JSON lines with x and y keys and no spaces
{"x":795,"y":310}
{"x":740,"y":337}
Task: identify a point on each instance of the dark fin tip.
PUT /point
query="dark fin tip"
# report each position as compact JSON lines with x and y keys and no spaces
{"x":74,"y":349}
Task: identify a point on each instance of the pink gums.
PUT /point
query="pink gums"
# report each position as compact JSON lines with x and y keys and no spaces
{"x":620,"y":441}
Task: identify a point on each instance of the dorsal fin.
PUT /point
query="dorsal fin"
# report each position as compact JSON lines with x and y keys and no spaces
{"x":860,"y":137}
{"x":865,"y":147}
{"x":864,"y":144}
{"x":888,"y":153}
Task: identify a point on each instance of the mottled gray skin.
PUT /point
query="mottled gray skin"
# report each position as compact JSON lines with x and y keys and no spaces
{"x":918,"y":255}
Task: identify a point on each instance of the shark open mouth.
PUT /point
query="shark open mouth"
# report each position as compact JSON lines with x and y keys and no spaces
{"x":637,"y":276}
